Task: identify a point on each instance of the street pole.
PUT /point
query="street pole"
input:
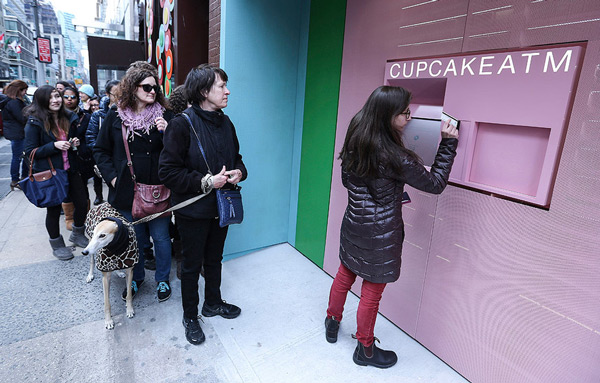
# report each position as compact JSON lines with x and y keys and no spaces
{"x":41,"y":70}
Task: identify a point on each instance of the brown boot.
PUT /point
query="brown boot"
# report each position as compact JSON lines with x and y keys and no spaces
{"x":68,"y":208}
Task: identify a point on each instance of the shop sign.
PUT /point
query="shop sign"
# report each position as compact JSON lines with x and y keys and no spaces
{"x":525,"y":62}
{"x":44,"y":50}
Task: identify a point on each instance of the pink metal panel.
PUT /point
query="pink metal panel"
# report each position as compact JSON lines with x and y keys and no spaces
{"x":522,"y":150}
{"x":509,"y":292}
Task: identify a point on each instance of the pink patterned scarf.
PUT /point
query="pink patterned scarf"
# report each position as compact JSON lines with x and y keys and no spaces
{"x":140,"y":122}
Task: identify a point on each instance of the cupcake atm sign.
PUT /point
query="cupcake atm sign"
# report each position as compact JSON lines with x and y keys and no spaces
{"x":490,"y":65}
{"x":514,"y":108}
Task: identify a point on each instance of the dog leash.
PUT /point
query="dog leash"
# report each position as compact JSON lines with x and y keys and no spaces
{"x":173,"y":208}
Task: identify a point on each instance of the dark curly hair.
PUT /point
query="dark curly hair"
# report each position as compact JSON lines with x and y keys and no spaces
{"x":137,"y":72}
{"x":178,"y":100}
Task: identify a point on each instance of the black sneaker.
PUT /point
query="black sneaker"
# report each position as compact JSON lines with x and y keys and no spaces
{"x":98,"y":201}
{"x":223,"y":309}
{"x":193,"y":331}
{"x":163,"y":291}
{"x":135,"y":286}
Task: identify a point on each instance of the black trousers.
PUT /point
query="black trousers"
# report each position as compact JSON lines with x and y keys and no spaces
{"x":202,"y":242}
{"x":98,"y":186}
{"x":78,"y":194}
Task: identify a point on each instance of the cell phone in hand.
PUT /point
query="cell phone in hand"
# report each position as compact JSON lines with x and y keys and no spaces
{"x":453,"y":121}
{"x":405,"y":198}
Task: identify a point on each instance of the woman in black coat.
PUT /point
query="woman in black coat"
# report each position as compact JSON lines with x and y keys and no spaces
{"x":85,"y":161}
{"x":14,"y":128}
{"x":52,"y":130}
{"x":141,"y":115}
{"x":185,"y":172}
{"x":375,"y":167}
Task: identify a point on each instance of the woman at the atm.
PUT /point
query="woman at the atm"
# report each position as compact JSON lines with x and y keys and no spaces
{"x":375,"y":167}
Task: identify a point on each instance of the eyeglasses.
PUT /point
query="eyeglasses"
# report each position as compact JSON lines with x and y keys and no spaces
{"x":148,"y":88}
{"x":407,"y":113}
{"x":69,"y":97}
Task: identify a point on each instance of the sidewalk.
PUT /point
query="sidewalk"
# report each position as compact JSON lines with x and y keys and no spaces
{"x":52,"y":327}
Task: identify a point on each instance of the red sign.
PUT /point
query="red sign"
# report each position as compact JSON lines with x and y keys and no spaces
{"x":44,"y":50}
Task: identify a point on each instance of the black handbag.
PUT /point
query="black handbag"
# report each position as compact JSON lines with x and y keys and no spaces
{"x":229,"y":201}
{"x":47,"y":188}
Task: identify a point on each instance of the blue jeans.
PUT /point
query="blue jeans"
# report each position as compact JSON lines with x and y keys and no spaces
{"x":159,"y":231}
{"x":17,"y":153}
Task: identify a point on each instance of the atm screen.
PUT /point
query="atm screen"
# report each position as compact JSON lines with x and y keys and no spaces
{"x":422,"y":136}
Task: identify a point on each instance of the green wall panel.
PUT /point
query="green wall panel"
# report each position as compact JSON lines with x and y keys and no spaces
{"x":324,"y":64}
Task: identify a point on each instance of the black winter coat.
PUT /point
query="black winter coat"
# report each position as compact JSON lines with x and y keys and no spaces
{"x":182,"y":166}
{"x":84,"y":152}
{"x":12,"y":116}
{"x":372,"y":229}
{"x":110,"y":156}
{"x":36,"y":137}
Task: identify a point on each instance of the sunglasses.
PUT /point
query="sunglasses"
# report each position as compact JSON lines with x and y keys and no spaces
{"x":69,"y":97}
{"x":148,"y":88}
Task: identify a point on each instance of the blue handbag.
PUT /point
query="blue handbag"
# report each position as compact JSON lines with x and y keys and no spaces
{"x":229,"y":201}
{"x":47,"y":188}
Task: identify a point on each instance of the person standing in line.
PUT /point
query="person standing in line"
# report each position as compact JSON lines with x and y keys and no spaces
{"x":84,"y":153}
{"x":184,"y":171}
{"x":94,"y":104}
{"x":86,"y":91}
{"x":61,"y":85}
{"x":375,"y":167}
{"x":94,"y":126}
{"x":141,"y":112}
{"x":14,"y":129}
{"x":52,"y":130}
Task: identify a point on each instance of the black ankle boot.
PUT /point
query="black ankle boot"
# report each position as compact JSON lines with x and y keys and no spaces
{"x":332,"y":327}
{"x":374,"y":356}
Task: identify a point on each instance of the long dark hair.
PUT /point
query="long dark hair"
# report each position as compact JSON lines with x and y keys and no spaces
{"x":371,"y":139}
{"x":40,"y":109}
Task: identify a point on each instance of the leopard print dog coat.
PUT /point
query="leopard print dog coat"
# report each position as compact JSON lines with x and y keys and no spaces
{"x":105,"y":260}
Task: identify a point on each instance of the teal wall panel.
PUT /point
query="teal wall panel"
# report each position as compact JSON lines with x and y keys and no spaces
{"x":263,"y":51}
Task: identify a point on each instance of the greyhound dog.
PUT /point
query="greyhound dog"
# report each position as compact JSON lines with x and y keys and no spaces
{"x":113,"y":247}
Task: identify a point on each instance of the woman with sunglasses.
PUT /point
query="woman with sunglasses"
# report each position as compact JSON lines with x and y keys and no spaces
{"x":140,"y":113}
{"x":375,"y":167}
{"x":14,"y":128}
{"x":84,"y":153}
{"x":52,"y":129}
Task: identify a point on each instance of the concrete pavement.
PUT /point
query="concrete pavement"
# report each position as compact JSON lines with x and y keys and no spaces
{"x":52,"y":327}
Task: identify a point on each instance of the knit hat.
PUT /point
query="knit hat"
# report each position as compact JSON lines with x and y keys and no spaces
{"x":87,"y":89}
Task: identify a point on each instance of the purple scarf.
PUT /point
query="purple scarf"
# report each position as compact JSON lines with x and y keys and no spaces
{"x":140,"y":122}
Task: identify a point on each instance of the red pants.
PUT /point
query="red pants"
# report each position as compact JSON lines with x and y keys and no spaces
{"x":370,"y":295}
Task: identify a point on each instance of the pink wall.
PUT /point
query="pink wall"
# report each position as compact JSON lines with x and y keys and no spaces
{"x":501,"y":291}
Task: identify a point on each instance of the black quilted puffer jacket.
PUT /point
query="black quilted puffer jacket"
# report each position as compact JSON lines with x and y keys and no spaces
{"x":372,"y":229}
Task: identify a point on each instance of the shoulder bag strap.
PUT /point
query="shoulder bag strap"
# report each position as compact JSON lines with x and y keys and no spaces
{"x":31,"y":157}
{"x":198,"y":139}
{"x":126,"y":144}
